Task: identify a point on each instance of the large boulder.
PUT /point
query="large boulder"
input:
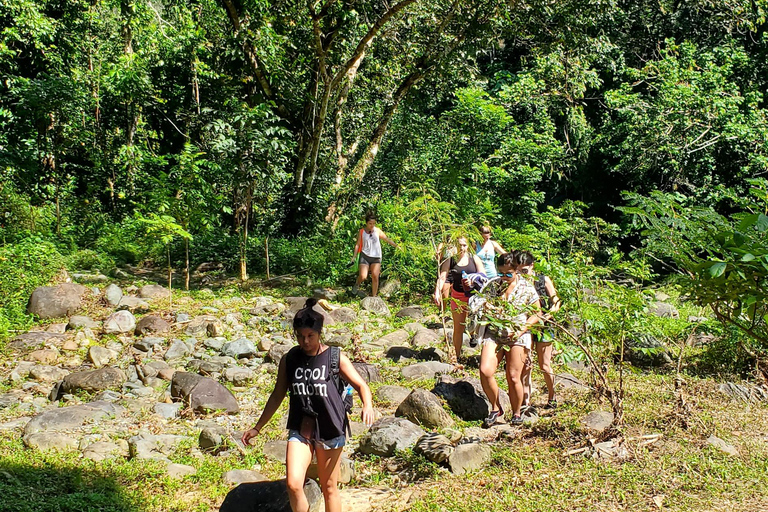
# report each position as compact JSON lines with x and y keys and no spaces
{"x":120,"y":322}
{"x":466,"y":398}
{"x":424,"y":408}
{"x":151,"y":324}
{"x":113,"y":294}
{"x":414,"y":312}
{"x":93,"y":380}
{"x":153,"y":291}
{"x":343,"y":315}
{"x":203,"y":394}
{"x":375,"y":305}
{"x":392,"y":394}
{"x":269,"y":496}
{"x":389,"y":435}
{"x":56,"y":301}
{"x":65,"y":419}
{"x":33,"y":340}
{"x":425,"y":370}
{"x":368,"y":372}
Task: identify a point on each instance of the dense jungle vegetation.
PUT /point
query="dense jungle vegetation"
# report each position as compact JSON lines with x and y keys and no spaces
{"x":623,"y":139}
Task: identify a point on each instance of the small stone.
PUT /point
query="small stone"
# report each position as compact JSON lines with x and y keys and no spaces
{"x":424,"y":408}
{"x":148,"y":343}
{"x":101,"y":356}
{"x":214,"y":343}
{"x":120,"y":322}
{"x":597,"y":420}
{"x":211,"y":438}
{"x":101,"y":450}
{"x":177,"y":350}
{"x":389,"y":435}
{"x":375,"y":305}
{"x":45,"y":373}
{"x":78,"y":322}
{"x":179,"y":471}
{"x":70,"y":346}
{"x":238,"y":376}
{"x":153,"y":291}
{"x":469,"y":457}
{"x":414,"y":312}
{"x":167,"y":411}
{"x":242,"y":347}
{"x":275,"y":450}
{"x":722,"y":446}
{"x":425,"y":370}
{"x":425,"y":338}
{"x":44,"y":356}
{"x":113,"y":294}
{"x":151,"y":324}
{"x":51,"y":441}
{"x":392,"y":394}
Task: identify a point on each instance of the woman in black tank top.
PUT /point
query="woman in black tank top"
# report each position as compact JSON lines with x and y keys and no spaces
{"x":316,"y":414}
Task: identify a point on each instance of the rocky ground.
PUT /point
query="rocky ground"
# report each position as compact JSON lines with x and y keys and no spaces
{"x":127,"y":382}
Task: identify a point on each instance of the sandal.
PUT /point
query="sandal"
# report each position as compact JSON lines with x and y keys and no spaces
{"x":494,"y":418}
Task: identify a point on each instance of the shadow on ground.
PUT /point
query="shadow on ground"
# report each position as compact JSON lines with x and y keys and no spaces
{"x":48,"y":488}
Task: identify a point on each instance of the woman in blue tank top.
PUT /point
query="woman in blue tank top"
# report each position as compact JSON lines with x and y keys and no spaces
{"x":316,"y":413}
{"x":487,"y":251}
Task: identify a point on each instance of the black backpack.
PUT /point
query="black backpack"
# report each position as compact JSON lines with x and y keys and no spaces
{"x":344,"y":388}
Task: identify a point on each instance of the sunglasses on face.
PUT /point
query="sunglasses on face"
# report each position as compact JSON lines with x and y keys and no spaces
{"x":506,"y":274}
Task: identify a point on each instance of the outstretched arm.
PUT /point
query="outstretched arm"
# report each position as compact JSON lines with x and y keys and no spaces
{"x":350,"y":375}
{"x":273,"y":403}
{"x":554,"y":299}
{"x":498,"y":248}
{"x":384,"y":237}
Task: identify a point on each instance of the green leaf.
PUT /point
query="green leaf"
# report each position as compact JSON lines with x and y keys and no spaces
{"x":762,"y":223}
{"x":717,"y":269}
{"x":748,"y":257}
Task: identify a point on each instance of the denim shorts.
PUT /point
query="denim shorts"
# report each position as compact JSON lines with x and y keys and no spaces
{"x":330,"y":444}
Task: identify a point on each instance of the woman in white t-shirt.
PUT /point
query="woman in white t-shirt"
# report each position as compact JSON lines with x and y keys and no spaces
{"x":369,"y":246}
{"x":521,"y":294}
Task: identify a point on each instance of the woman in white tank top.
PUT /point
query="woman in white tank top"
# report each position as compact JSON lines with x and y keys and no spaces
{"x":369,"y":246}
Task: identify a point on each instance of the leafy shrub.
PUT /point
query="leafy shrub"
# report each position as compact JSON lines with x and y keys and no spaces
{"x":24,"y":266}
{"x":87,"y":259}
{"x":124,"y":242}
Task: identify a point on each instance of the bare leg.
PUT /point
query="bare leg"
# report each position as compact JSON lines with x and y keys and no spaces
{"x":362,"y":274}
{"x":328,"y":473}
{"x":375,"y":271}
{"x":459,"y":315}
{"x":544,"y":357}
{"x":525,"y":377}
{"x":515,"y":361}
{"x":297,"y":459}
{"x":489,"y":362}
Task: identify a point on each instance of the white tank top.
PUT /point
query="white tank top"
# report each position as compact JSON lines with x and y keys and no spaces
{"x":371,"y":244}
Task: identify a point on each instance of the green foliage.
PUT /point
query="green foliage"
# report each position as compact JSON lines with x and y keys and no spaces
{"x":88,"y":259}
{"x":24,"y":266}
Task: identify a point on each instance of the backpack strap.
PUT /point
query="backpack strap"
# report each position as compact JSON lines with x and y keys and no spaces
{"x":335,"y":358}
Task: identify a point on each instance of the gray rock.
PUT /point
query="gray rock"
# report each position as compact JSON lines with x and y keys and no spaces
{"x":72,"y":417}
{"x":722,"y":446}
{"x":469,"y":457}
{"x":242,"y":347}
{"x":389,"y":435}
{"x":744,"y":392}
{"x":466,"y":398}
{"x":51,"y":441}
{"x":177,"y":350}
{"x":275,"y":450}
{"x":597,"y":420}
{"x":414,"y":327}
{"x":434,"y":447}
{"x":211,"y":438}
{"x":107,"y":396}
{"x":276,"y":352}
{"x":325,"y":293}
{"x":397,"y":338}
{"x":205,"y":325}
{"x":151,"y":324}
{"x":269,"y":496}
{"x":270,"y":309}
{"x":179,"y":471}
{"x":102,"y":450}
{"x":389,"y":287}
{"x":10,"y":399}
{"x":101,"y":356}
{"x":697,"y":319}
{"x":93,"y":380}
{"x":113,"y":294}
{"x":392,"y":394}
{"x":241,"y":476}
{"x":663,"y":310}
{"x":56,"y":301}
{"x":568,"y":381}
{"x":153,"y":291}
{"x":203,"y":394}
{"x":238,"y":376}
{"x":375,"y":305}
{"x":33,"y":340}
{"x":214,"y":343}
{"x":344,"y":315}
{"x":426,"y":338}
{"x":120,"y":322}
{"x":424,"y":408}
{"x":425,"y":370}
{"x":167,"y":411}
{"x":181,"y":318}
{"x":414,"y":312}
{"x":148,"y":343}
{"x":77,"y":322}
{"x":265,"y":343}
{"x":45,"y":373}
{"x":369,"y":373}
{"x":636,"y":351}
{"x":146,"y":446}
{"x":205,"y":367}
{"x":133,"y":304}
